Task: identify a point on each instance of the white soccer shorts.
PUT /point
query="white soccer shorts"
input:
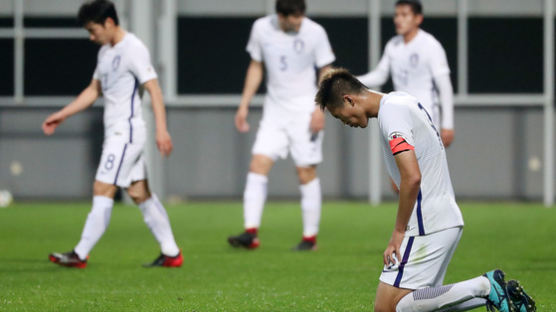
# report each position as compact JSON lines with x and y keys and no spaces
{"x":121,"y":163}
{"x":276,"y":138}
{"x":424,"y":261}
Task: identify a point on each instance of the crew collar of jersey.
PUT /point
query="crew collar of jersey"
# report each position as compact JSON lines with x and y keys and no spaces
{"x":126,"y":35}
{"x":415,"y":39}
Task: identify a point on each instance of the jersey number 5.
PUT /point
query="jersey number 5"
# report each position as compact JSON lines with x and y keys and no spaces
{"x":283,"y":63}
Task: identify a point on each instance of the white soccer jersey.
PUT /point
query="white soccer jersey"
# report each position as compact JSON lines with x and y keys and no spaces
{"x":121,"y":70}
{"x":290,"y":60}
{"x":413,"y":67}
{"x":405,"y":124}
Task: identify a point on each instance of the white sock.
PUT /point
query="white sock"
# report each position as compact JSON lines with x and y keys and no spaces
{"x":311,"y":200}
{"x":157,"y":220}
{"x":97,"y":222}
{"x":254,"y":198}
{"x":433,"y":298}
{"x":466,"y":306}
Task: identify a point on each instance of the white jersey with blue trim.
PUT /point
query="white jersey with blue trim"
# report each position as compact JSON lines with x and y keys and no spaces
{"x":122,"y":69}
{"x":413,"y":67}
{"x":403,"y":120}
{"x":290,"y":61}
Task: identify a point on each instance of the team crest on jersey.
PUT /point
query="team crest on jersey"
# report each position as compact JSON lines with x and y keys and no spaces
{"x":116,"y":62}
{"x":395,"y":135}
{"x":298,"y":45}
{"x":414,"y":59}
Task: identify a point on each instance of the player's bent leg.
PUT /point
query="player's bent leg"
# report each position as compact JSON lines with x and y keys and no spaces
{"x":157,"y":220}
{"x":441,"y":297}
{"x":95,"y":225}
{"x":311,"y":202}
{"x":254,"y":198}
{"x":388,"y":296}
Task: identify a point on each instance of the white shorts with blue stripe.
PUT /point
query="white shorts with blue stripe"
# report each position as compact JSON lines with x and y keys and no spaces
{"x":121,"y":162}
{"x":424,"y":260}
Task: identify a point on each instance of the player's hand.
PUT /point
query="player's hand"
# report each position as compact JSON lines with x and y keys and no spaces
{"x":317,"y":121}
{"x":393,"y":248}
{"x":164,"y":142}
{"x":447,"y":136}
{"x":51,"y":122}
{"x":241,"y":119}
{"x":394,"y":187}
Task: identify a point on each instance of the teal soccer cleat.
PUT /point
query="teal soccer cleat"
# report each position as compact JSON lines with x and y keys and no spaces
{"x":498,"y":297}
{"x":519,"y":298}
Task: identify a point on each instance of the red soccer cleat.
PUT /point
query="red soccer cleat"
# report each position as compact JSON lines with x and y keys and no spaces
{"x":308,"y":243}
{"x":247,"y":239}
{"x":68,"y":259}
{"x":167,"y":261}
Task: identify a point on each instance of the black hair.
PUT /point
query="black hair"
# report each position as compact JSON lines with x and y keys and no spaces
{"x":415,"y":5}
{"x":97,"y":11}
{"x":290,"y":7}
{"x":334,"y":85}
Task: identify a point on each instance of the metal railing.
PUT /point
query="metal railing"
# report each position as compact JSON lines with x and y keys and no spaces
{"x":164,"y":28}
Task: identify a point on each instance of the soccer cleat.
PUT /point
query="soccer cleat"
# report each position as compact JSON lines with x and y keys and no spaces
{"x":68,"y":259}
{"x":166,"y":261}
{"x":247,"y":239}
{"x":520,"y":299}
{"x":306,"y":244}
{"x":498,"y":296}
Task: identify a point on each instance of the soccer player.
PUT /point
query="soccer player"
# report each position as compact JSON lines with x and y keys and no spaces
{"x":123,"y":71}
{"x":290,"y":47}
{"x":429,"y":223}
{"x":418,"y":65}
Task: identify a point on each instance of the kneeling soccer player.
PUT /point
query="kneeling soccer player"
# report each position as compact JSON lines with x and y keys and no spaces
{"x":123,"y":70}
{"x":429,"y":223}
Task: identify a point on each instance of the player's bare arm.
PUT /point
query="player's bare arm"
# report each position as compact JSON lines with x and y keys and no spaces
{"x":163,"y":139}
{"x":85,"y":99}
{"x":318,"y":119}
{"x":253,"y":80}
{"x":409,"y":190}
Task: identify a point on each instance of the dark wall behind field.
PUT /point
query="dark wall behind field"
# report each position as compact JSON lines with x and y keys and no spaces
{"x":505,"y":54}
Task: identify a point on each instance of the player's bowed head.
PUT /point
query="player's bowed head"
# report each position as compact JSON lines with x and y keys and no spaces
{"x":347,"y":99}
{"x":100,"y":19}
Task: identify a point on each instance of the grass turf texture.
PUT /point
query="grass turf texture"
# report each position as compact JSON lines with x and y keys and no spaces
{"x":341,"y":276}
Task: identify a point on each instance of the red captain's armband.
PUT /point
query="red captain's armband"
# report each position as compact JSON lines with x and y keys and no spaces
{"x":399,"y":144}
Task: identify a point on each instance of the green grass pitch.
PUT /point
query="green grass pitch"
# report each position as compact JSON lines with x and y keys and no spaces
{"x":341,"y":276}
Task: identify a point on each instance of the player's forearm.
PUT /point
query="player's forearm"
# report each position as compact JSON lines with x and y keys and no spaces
{"x":159,"y":110}
{"x":410,"y":183}
{"x":409,"y":190}
{"x":85,"y":99}
{"x":446,"y":95}
{"x":253,"y":80}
